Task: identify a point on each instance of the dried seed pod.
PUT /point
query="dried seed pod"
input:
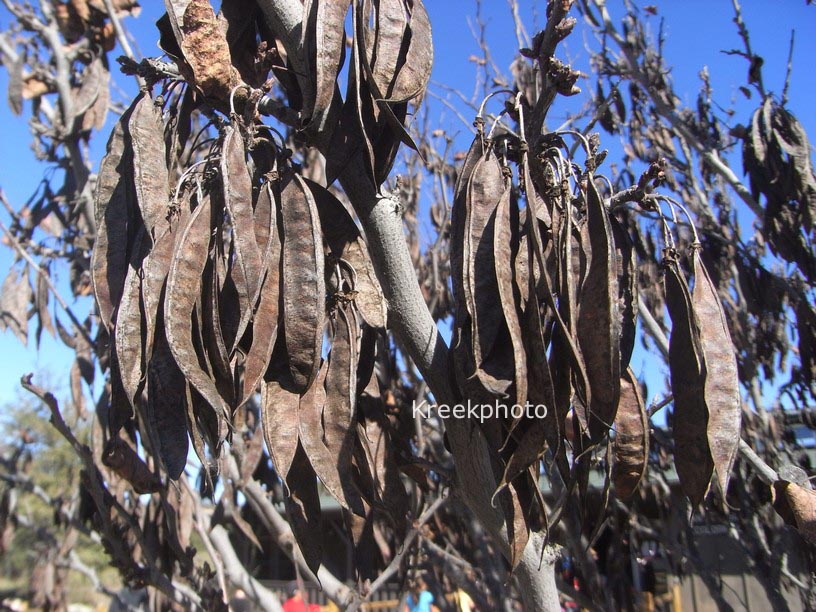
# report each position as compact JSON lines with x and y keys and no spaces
{"x":598,"y":324}
{"x":311,"y":433}
{"x":346,"y":243}
{"x":340,"y":409}
{"x":167,"y":406}
{"x":375,"y":439}
{"x":265,"y":321}
{"x":505,"y":243}
{"x":304,"y":290}
{"x":237,"y":185}
{"x":722,"y":394}
{"x":279,"y":414}
{"x":627,"y":290}
{"x":485,"y":190}
{"x":631,"y":442}
{"x":692,"y":455}
{"x":303,"y":509}
{"x":183,"y":289}
{"x":119,"y":456}
{"x":324,"y":39}
{"x":113,"y":199}
{"x":129,"y":336}
{"x":145,"y":128}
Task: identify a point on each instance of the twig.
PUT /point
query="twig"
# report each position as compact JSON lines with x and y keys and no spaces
{"x":412,"y":535}
{"x":656,"y":407}
{"x":788,"y":70}
{"x":277,"y":526}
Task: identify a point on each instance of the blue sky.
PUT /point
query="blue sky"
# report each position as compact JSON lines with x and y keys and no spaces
{"x":696,"y":33}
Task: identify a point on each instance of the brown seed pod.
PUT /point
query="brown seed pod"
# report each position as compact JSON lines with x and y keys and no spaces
{"x":346,"y":243}
{"x":627,"y":290}
{"x":304,"y":290}
{"x":265,"y":320}
{"x":311,"y":433}
{"x":279,"y":415}
{"x":722,"y":394}
{"x":505,"y":243}
{"x":237,"y":189}
{"x":631,"y":443}
{"x":303,"y":509}
{"x":113,"y":200}
{"x":692,"y":455}
{"x":598,"y":324}
{"x":167,"y":406}
{"x":183,"y":289}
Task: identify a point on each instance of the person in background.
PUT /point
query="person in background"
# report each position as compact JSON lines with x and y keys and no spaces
{"x":420,"y":599}
{"x":296,"y":603}
{"x":462,"y":601}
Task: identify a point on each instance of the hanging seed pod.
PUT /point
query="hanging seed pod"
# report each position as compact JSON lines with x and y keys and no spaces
{"x":627,"y":291}
{"x":303,"y":509}
{"x":237,"y":189}
{"x":304,"y":290}
{"x":692,"y":455}
{"x":324,"y":38}
{"x":722,"y":394}
{"x":598,"y":324}
{"x":113,"y":200}
{"x":631,"y":442}
{"x":494,"y":367}
{"x":346,"y":244}
{"x":167,"y":406}
{"x":145,"y":129}
{"x":279,"y":415}
{"x":505,"y":244}
{"x":183,"y":289}
{"x":340,"y":409}
{"x":129,"y":334}
{"x":311,"y":433}
{"x":265,"y":321}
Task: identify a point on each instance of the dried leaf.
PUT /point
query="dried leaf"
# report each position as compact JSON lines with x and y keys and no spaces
{"x":15,"y":296}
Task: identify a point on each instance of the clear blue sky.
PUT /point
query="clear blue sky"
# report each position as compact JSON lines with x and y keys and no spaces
{"x":697,"y":31}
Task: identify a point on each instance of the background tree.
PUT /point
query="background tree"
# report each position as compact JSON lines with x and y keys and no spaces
{"x":237,"y":300}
